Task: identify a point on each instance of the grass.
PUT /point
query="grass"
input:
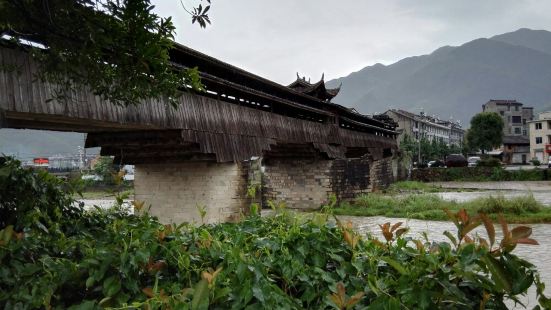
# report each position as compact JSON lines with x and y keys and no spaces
{"x":412,"y":186}
{"x":417,"y":187}
{"x":430,"y":207}
{"x":100,"y":194}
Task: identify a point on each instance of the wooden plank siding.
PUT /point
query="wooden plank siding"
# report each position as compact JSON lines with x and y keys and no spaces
{"x":229,"y":131}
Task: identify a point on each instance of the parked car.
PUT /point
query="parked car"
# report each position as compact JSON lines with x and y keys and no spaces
{"x":456,"y":160}
{"x":549,"y":163}
{"x":473,"y":161}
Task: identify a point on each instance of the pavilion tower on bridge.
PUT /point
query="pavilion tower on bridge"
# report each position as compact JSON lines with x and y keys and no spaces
{"x":317,"y":90}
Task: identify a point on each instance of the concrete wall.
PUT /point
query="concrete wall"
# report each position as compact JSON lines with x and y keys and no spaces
{"x":175,"y":190}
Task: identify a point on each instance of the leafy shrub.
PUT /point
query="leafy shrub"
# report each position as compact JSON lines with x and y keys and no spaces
{"x":536,"y":162}
{"x":287,"y":262}
{"x":517,"y":205}
{"x":489,"y":162}
{"x":478,"y":174}
{"x":33,"y":198}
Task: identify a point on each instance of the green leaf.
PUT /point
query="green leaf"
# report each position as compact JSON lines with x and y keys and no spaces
{"x":499,"y":275}
{"x":200,"y":299}
{"x":89,"y":282}
{"x":395,"y":265}
{"x":451,"y":237}
{"x":6,"y":234}
{"x":258,"y":293}
{"x":111,"y":286}
{"x":86,"y":305}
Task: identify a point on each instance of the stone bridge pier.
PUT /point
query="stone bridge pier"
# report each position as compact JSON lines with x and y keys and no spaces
{"x":212,"y":192}
{"x":307,"y":182}
{"x":194,"y":191}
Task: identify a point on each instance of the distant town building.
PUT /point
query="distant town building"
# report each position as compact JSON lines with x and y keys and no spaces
{"x":540,"y":137}
{"x":515,"y":116}
{"x":516,"y":150}
{"x":420,"y":126}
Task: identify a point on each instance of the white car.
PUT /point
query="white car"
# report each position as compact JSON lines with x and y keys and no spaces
{"x":92,"y":177}
{"x":549,"y":163}
{"x":473,"y":161}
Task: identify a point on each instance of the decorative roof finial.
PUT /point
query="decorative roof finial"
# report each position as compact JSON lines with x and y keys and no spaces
{"x":322,"y":75}
{"x":298,"y":76}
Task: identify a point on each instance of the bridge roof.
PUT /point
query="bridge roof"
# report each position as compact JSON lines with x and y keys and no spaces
{"x":215,"y":72}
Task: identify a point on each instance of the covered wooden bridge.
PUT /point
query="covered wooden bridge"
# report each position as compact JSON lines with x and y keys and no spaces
{"x":198,"y":153}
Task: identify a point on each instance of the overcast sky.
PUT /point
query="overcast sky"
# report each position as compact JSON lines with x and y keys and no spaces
{"x":277,"y":38}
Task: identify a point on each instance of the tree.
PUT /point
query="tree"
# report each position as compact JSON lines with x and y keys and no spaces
{"x":104,"y":168}
{"x":117,"y":48}
{"x":408,"y":146}
{"x":426,"y":149}
{"x":454,"y":149}
{"x":486,"y":131}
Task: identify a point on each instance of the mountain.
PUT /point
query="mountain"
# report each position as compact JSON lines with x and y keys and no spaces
{"x":456,"y":81}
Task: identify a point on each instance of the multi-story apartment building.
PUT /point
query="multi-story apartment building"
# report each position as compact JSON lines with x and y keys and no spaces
{"x":540,"y":137}
{"x":420,"y":126}
{"x":515,"y":115}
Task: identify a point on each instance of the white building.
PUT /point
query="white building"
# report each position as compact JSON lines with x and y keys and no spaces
{"x":540,"y":137}
{"x":420,"y":126}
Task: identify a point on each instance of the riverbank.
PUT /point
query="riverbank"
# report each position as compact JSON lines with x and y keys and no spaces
{"x":523,"y":209}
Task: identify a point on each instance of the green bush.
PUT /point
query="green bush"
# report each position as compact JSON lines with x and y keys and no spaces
{"x":111,"y":259}
{"x":517,"y":205}
{"x":478,"y":174}
{"x":34,"y":198}
{"x":489,"y":162}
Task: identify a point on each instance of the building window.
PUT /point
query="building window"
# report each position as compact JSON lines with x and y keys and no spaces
{"x":523,"y":121}
{"x":516,"y":108}
{"x":502,"y":113}
{"x":538,"y":126}
{"x":539,"y":140}
{"x":524,"y":132}
{"x":517,"y":131}
{"x":517,"y":119}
